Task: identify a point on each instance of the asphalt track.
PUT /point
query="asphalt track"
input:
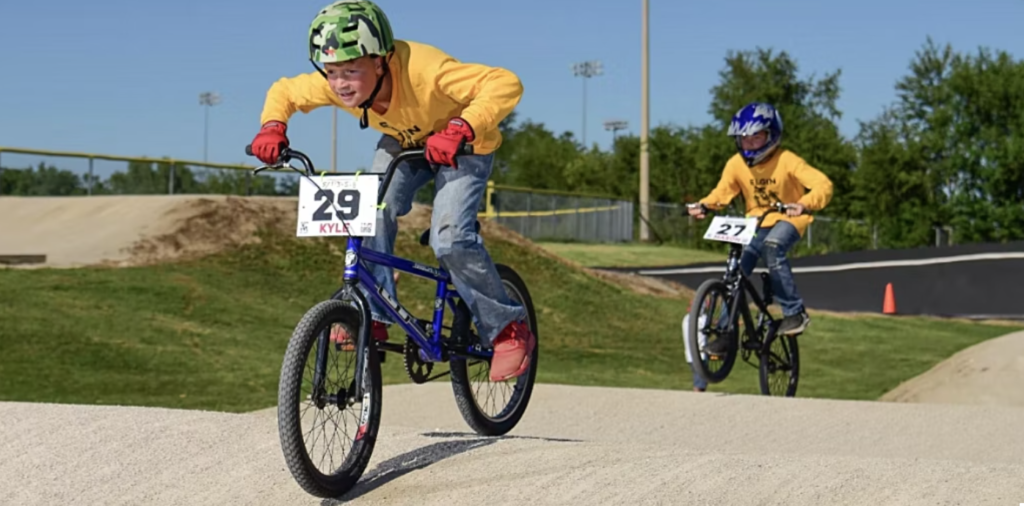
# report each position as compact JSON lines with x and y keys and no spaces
{"x":971,"y":281}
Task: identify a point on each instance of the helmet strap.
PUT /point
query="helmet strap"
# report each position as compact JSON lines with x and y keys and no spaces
{"x":365,"y":106}
{"x":318,"y":69}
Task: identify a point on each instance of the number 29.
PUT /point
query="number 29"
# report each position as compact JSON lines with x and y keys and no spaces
{"x":346,"y":199}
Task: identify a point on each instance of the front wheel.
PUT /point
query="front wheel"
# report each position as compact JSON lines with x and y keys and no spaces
{"x":708,"y":322}
{"x":315,"y":391}
{"x":780,"y":366}
{"x":493,"y":409}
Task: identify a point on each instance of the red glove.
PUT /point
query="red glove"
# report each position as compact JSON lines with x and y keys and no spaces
{"x":442,"y":147}
{"x":269,"y":141}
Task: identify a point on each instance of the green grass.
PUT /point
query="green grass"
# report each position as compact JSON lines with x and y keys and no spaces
{"x":630,"y":254}
{"x":210,"y":334}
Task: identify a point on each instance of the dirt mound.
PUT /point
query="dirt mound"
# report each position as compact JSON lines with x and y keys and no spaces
{"x":988,"y":373}
{"x":207,"y":225}
{"x":133,"y":230}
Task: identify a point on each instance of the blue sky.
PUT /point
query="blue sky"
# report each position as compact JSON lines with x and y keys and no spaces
{"x":123,"y":76}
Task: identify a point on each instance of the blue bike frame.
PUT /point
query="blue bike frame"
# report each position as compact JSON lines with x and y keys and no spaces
{"x":356,"y":274}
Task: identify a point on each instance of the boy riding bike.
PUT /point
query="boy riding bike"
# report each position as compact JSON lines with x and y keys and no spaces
{"x":417,"y":96}
{"x":765,"y":174}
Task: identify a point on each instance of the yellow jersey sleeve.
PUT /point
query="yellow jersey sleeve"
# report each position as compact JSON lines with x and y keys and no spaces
{"x":488,"y":93}
{"x":289,"y":95}
{"x":814,"y":179}
{"x":726,"y":190}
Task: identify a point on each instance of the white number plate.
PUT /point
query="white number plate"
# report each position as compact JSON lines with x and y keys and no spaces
{"x":338,"y":205}
{"x":731,"y":229}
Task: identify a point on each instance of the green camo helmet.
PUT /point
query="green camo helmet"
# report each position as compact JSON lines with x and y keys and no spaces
{"x":348,"y":29}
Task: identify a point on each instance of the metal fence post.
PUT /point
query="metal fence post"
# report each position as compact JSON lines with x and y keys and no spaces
{"x":529,"y":218}
{"x":88,"y":188}
{"x":577,"y":227}
{"x":489,"y":200}
{"x":170,"y":180}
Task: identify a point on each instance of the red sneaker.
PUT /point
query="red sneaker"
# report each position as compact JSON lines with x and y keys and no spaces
{"x":339,"y":334}
{"x":512,"y":350}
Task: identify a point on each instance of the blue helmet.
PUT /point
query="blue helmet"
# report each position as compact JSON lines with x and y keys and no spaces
{"x":751,"y":119}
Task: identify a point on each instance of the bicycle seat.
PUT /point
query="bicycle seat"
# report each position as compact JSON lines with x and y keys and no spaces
{"x":425,"y":236}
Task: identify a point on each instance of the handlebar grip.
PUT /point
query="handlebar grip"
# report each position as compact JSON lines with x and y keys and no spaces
{"x":248,"y":149}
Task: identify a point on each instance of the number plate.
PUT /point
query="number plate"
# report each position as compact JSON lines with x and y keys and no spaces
{"x":338,"y":205}
{"x":731,"y":229}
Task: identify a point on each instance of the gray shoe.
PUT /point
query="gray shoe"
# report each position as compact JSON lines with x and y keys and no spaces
{"x":794,"y":324}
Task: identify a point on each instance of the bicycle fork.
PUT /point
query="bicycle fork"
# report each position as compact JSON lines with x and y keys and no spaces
{"x":347,"y":396}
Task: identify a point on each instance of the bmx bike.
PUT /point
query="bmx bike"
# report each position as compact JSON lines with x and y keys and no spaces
{"x":311,"y":392}
{"x":778,"y":356}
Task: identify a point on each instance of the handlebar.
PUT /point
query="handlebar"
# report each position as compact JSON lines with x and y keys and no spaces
{"x":288,"y":154}
{"x":777,"y":207}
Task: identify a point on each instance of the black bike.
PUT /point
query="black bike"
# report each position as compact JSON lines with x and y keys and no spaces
{"x":778,"y":356}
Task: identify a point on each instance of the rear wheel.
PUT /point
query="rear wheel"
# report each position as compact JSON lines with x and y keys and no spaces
{"x":493,"y":409}
{"x":709,"y":321}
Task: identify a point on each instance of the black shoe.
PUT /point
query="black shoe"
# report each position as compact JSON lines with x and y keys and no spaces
{"x":720,"y":346}
{"x":794,"y":324}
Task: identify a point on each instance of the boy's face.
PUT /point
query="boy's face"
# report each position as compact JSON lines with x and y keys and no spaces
{"x":755,"y":141}
{"x":353,"y":81}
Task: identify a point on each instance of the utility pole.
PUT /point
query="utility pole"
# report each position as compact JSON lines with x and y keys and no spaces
{"x":586,"y":70}
{"x":207,"y":100}
{"x":334,"y":139}
{"x":645,"y":110}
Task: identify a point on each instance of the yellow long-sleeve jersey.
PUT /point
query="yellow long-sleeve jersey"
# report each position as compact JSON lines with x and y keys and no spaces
{"x":782,"y":178}
{"x":429,"y":87}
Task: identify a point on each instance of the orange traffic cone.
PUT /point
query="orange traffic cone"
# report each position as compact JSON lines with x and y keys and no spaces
{"x":889,"y":304}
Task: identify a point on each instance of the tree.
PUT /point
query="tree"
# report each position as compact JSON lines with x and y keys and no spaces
{"x":43,"y":180}
{"x":950,"y":150}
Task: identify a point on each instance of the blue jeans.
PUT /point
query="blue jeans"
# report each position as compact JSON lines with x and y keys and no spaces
{"x":459,"y":249}
{"x":772,"y":244}
{"x":698,"y":382}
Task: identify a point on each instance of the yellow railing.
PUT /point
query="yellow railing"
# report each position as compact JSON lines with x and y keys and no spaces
{"x":491,"y":187}
{"x":491,"y":212}
{"x":91,"y":157}
{"x":141,"y":159}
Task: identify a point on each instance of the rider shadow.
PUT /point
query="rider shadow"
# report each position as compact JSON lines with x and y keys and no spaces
{"x":400,"y":465}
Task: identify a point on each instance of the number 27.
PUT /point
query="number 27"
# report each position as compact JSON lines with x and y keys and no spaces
{"x":346,"y":199}
{"x":727,"y":226}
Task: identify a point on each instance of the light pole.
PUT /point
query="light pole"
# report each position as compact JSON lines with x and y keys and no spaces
{"x":645,"y":109}
{"x":207,"y":100}
{"x":614,"y":125}
{"x":586,"y":70}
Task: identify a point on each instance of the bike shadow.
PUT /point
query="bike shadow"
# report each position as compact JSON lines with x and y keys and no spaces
{"x":474,"y":435}
{"x":400,"y":465}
